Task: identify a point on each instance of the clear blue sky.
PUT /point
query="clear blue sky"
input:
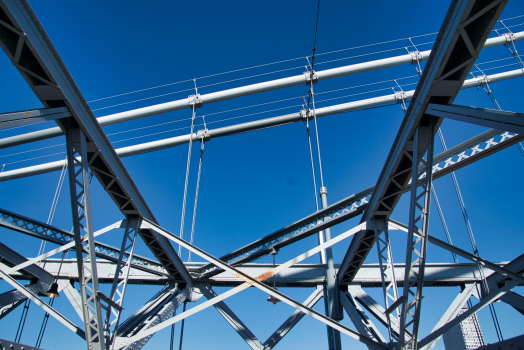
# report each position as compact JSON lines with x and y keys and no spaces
{"x":255,"y":183}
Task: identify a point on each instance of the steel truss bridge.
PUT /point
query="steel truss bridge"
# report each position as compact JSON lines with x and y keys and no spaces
{"x":410,"y":168}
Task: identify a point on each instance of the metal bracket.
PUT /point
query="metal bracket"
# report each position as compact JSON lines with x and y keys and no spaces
{"x":311,"y":76}
{"x":306,"y":114}
{"x":194,"y":101}
{"x":416,"y":57}
{"x":510,"y":38}
{"x":401,"y":98}
{"x":204,"y":135}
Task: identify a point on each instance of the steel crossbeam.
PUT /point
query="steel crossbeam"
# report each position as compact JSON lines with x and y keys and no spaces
{"x":255,"y":282}
{"x":83,"y":226}
{"x":61,"y":237}
{"x":490,"y":118}
{"x":27,"y":45}
{"x":297,"y":276}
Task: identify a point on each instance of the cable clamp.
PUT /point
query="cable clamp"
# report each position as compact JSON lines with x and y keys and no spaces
{"x":311,"y":76}
{"x":510,"y":38}
{"x":306,"y":114}
{"x":194,"y":101}
{"x":323,"y":190}
{"x":416,"y":57}
{"x":204,"y":135}
{"x":484,"y":80}
{"x":400,"y":96}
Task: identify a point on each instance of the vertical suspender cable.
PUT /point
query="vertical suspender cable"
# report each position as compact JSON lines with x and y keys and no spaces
{"x":182,"y":328}
{"x":320,"y":234}
{"x":444,"y":225}
{"x":172,"y":333}
{"x":312,"y":94}
{"x":50,"y":217}
{"x":473,"y":243}
{"x":187,"y":176}
{"x":196,"y":194}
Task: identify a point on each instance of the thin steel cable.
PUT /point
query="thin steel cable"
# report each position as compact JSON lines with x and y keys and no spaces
{"x":320,"y":234}
{"x":185,"y":186}
{"x":54,"y":204}
{"x":21,"y":324}
{"x":196,"y":195}
{"x":51,"y":302}
{"x":31,"y":150}
{"x":271,"y":63}
{"x":44,"y":325}
{"x":443,"y":221}
{"x":472,"y":240}
{"x":142,"y":99}
{"x":316,"y":134}
{"x":172,"y":333}
{"x":362,"y":55}
{"x":148,"y":126}
{"x":182,"y":328}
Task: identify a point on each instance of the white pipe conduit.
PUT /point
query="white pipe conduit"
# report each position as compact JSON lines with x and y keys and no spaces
{"x":243,"y":91}
{"x":250,"y":126}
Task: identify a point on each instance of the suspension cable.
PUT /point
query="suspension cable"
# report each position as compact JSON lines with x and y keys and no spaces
{"x":182,"y":328}
{"x":196,"y":193}
{"x":172,"y":333}
{"x":443,"y":221}
{"x":187,"y":177}
{"x":484,"y":283}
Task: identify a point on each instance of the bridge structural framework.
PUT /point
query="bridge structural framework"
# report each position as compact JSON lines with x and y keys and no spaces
{"x":96,"y":279}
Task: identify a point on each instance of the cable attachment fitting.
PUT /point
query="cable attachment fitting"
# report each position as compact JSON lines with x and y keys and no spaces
{"x":400,"y":96}
{"x":510,"y":39}
{"x":311,"y":76}
{"x":204,"y":135}
{"x":194,"y":101}
{"x":323,"y":190}
{"x":416,"y":57}
{"x":306,"y":114}
{"x":484,"y":80}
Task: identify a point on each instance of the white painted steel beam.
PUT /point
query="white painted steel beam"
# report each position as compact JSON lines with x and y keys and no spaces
{"x":244,"y":91}
{"x":250,"y":126}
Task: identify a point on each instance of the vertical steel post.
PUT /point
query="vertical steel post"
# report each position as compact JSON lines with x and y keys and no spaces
{"x":417,"y":243}
{"x":118,"y":289}
{"x":332,"y":300}
{"x":79,"y":187}
{"x":387,"y":272}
